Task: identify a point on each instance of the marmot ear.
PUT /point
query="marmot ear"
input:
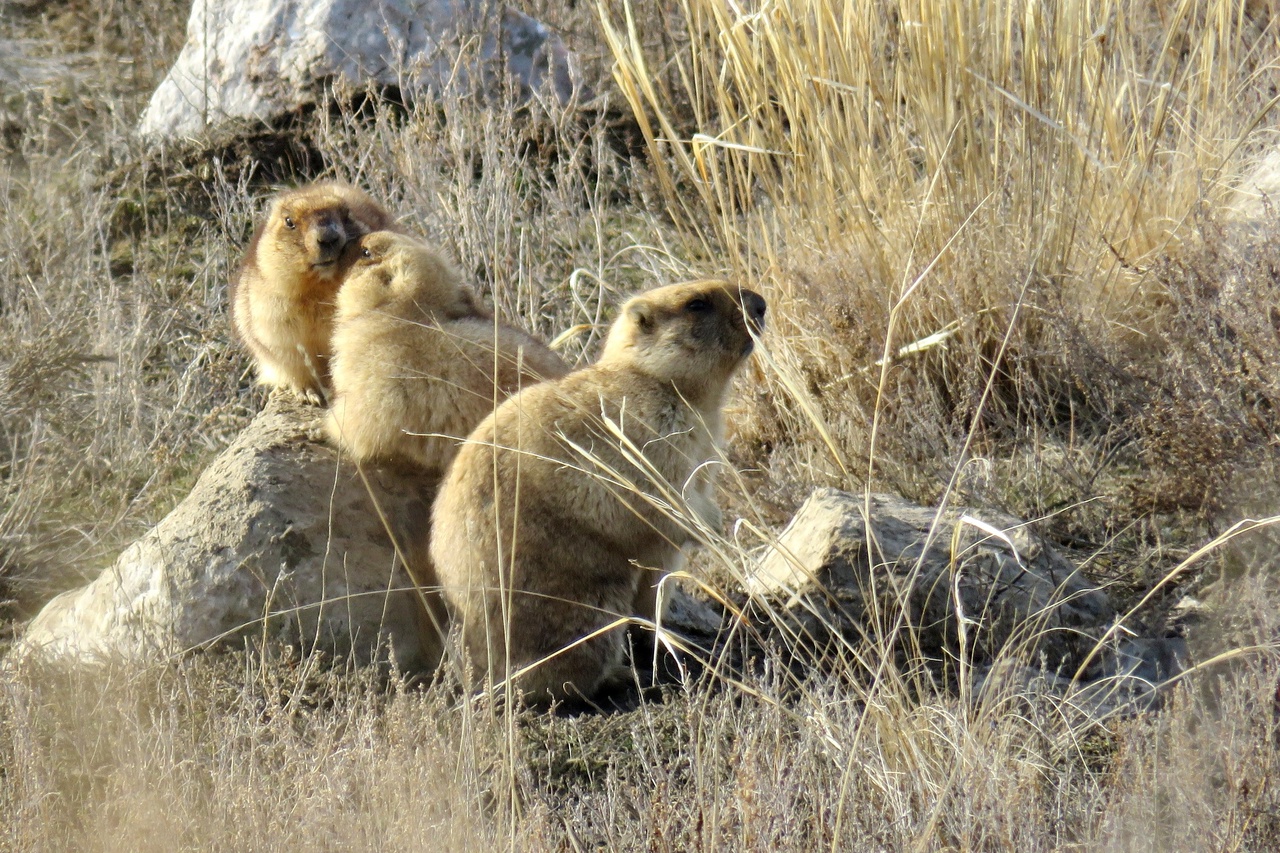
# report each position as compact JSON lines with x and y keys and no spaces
{"x":642,"y":315}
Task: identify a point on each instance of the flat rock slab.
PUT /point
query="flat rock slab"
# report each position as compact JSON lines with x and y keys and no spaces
{"x":838,"y":574}
{"x":279,"y":541}
{"x":259,"y":60}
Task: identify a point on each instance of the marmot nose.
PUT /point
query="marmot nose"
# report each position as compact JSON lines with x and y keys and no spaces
{"x":329,"y":238}
{"x":754,"y":304}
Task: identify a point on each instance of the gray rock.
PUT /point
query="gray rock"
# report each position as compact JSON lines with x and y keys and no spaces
{"x":278,"y":542}
{"x":689,"y":615}
{"x":1128,"y":678}
{"x":1132,"y":676}
{"x":832,"y":574}
{"x":262,"y":59}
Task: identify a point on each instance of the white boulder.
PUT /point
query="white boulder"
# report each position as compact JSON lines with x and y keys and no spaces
{"x":259,"y":60}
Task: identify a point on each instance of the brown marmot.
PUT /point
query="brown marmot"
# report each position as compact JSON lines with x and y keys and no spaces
{"x":417,"y":362}
{"x":282,"y":300}
{"x":565,"y":496}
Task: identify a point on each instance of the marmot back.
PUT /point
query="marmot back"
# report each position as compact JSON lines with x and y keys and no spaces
{"x":417,"y":360}
{"x":567,"y":501}
{"x":282,"y":301}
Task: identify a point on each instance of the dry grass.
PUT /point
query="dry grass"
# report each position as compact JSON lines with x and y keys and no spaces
{"x":998,"y":272}
{"x":277,"y":757}
{"x":984,"y":228}
{"x":113,"y":362}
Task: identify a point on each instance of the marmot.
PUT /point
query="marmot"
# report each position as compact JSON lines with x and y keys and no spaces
{"x":570,"y":491}
{"x":417,"y":362}
{"x":282,"y":300}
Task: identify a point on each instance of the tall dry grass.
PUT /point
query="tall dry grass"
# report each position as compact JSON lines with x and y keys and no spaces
{"x":992,"y":234}
{"x":113,"y":372}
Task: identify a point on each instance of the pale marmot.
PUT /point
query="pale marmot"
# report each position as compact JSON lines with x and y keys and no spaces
{"x":562,"y":499}
{"x":282,"y":300}
{"x":417,"y":362}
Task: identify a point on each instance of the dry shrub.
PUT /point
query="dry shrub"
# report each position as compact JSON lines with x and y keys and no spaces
{"x":960,"y":211}
{"x":1212,"y":393}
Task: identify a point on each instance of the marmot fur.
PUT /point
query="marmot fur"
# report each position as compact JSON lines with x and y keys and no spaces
{"x":565,"y":496}
{"x":282,"y":300}
{"x":417,"y":362}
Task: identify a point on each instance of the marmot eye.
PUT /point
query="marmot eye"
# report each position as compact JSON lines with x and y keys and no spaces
{"x":697,"y":305}
{"x":288,"y":223}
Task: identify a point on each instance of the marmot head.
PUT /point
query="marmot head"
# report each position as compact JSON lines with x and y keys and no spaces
{"x":693,"y":334}
{"x":398,"y":275}
{"x":308,"y":228}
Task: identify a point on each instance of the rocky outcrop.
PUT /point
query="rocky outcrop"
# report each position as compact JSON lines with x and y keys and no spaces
{"x":260,"y":60}
{"x":838,"y":573}
{"x":282,"y":542}
{"x":278,"y":541}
